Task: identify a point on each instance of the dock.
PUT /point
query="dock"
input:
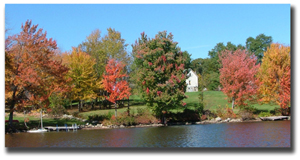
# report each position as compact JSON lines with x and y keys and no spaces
{"x":74,"y":127}
{"x":274,"y":118}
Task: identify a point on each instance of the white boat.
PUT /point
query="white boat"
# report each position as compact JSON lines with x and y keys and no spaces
{"x":42,"y":129}
{"x":37,"y":130}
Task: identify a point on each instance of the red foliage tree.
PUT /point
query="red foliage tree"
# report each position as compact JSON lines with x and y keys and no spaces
{"x":31,"y":72}
{"x":284,"y":93}
{"x":114,"y":82}
{"x":237,"y":76}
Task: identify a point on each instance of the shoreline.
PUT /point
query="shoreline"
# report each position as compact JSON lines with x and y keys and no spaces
{"x":217,"y":120}
{"x":212,"y":121}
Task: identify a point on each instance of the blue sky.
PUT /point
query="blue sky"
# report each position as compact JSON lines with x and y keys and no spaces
{"x":196,"y":27}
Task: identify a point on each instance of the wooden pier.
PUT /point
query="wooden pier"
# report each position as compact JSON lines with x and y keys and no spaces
{"x":74,"y":127}
{"x":274,"y":118}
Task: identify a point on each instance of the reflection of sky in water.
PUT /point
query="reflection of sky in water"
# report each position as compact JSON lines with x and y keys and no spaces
{"x":252,"y":134}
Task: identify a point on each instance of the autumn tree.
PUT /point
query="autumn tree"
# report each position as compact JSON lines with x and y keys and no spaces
{"x":285,"y":92}
{"x":93,"y":46}
{"x":258,"y":45}
{"x":84,"y":81}
{"x":115,"y":83}
{"x":237,"y":76}
{"x":274,"y":75}
{"x":209,"y":68}
{"x":160,"y":72}
{"x":31,"y":72}
{"x":102,"y":49}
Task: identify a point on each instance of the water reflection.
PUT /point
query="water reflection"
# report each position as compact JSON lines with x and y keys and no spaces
{"x":254,"y":134}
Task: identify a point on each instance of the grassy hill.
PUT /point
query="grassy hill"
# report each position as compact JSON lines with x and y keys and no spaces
{"x":212,"y":100}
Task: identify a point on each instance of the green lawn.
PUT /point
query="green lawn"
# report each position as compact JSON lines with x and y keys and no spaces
{"x":212,"y":100}
{"x":133,"y":109}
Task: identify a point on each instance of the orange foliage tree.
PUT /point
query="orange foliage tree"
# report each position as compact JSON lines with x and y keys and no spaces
{"x":31,"y":73}
{"x":274,"y":75}
{"x":237,"y":76}
{"x":114,"y":82}
{"x":84,"y":81}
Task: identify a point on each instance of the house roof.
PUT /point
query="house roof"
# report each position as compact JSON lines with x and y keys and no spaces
{"x":193,"y":72}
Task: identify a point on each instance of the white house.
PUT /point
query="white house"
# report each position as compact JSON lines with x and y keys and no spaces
{"x":192,"y":82}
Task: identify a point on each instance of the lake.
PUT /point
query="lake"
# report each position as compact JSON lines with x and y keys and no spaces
{"x":245,"y":134}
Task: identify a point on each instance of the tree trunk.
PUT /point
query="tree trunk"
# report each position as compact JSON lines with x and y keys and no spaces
{"x":128,"y":108}
{"x":115,"y":110}
{"x":232,"y":103}
{"x":164,"y":120}
{"x":93,"y":105}
{"x":79,"y":105}
{"x":42,"y":119}
{"x":11,"y":110}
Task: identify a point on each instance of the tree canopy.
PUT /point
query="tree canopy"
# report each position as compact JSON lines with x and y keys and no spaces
{"x":161,"y":72}
{"x":274,"y":75}
{"x":31,"y":72}
{"x":237,"y":76}
{"x":258,"y":45}
{"x":83,"y":80}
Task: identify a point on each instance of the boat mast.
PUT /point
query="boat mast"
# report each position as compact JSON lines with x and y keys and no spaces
{"x":41,"y":119}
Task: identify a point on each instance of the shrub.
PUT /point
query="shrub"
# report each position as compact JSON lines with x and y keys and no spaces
{"x":57,"y":111}
{"x":106,"y":123}
{"x":246,"y":115}
{"x":209,"y":114}
{"x":203,"y":117}
{"x":264,"y":114}
{"x":144,"y":116}
{"x":99,"y":118}
{"x":143,"y":111}
{"x":220,"y":112}
{"x":187,"y":115}
{"x":281,"y":111}
{"x":75,"y":114}
{"x":123,"y":119}
{"x":229,"y":113}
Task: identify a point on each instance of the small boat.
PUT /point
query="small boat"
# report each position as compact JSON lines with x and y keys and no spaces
{"x":41,"y":129}
{"x":37,"y":130}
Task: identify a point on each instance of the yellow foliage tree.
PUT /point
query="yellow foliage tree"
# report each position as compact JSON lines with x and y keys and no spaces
{"x":273,"y":69}
{"x":84,"y":81}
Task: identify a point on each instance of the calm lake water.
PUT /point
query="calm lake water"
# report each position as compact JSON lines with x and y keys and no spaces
{"x":247,"y":134}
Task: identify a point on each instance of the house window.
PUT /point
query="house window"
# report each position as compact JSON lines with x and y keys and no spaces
{"x":189,"y":82}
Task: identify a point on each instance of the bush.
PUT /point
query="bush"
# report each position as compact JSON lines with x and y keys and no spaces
{"x":229,"y":113}
{"x":57,"y":111}
{"x":281,"y":112}
{"x":203,"y":117}
{"x":123,"y":119}
{"x":143,"y":111}
{"x":144,"y":116}
{"x":264,"y":114}
{"x":75,"y":114}
{"x":246,"y":115}
{"x":209,"y":114}
{"x":220,"y":112}
{"x":99,"y":118}
{"x":186,"y":116}
{"x":106,"y":123}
